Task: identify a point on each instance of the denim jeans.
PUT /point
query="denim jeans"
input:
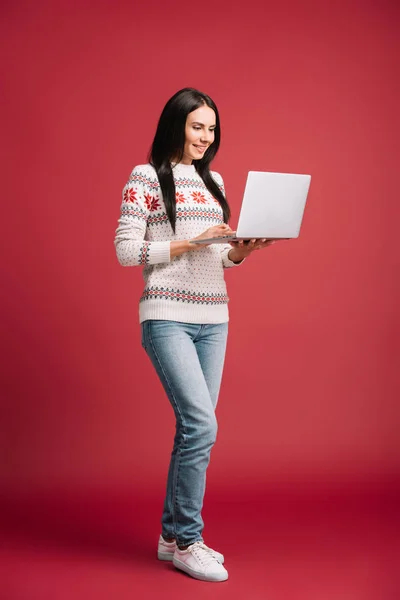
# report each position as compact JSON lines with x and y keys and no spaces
{"x":189,"y":360}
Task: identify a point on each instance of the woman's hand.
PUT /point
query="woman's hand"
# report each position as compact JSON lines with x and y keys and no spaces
{"x":178,"y":248}
{"x":211,"y":232}
{"x":242,"y":249}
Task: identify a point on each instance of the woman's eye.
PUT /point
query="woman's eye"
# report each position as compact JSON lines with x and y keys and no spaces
{"x":197,"y":128}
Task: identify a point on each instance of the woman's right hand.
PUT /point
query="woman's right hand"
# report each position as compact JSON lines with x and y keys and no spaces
{"x":211,"y":232}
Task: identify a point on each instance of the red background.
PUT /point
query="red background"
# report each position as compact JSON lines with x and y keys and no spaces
{"x":309,"y":396}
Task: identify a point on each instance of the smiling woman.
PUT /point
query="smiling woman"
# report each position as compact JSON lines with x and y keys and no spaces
{"x":168,"y":203}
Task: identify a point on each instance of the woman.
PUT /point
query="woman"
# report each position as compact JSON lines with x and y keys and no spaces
{"x":183,"y":311}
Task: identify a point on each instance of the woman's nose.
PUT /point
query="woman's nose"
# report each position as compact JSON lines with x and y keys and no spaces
{"x":206,"y":137}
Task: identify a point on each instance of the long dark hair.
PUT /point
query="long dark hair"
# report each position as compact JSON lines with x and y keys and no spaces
{"x":168,"y":145}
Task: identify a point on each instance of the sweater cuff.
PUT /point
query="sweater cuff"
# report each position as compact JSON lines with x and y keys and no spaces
{"x":153,"y":253}
{"x":227,"y":262}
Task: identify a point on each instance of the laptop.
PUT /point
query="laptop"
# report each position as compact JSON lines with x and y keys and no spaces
{"x":272,"y":207}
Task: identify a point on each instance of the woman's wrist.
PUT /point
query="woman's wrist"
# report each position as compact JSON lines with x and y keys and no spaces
{"x":235,"y":256}
{"x":178,"y":248}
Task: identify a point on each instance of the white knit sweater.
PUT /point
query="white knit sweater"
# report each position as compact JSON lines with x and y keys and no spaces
{"x":189,"y":288}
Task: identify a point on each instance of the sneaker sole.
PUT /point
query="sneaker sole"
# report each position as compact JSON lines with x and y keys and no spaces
{"x":169,"y":555}
{"x":183,"y":567}
{"x":165,"y":556}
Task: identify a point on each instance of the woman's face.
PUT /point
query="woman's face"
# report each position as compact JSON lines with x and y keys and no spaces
{"x":199,"y":132}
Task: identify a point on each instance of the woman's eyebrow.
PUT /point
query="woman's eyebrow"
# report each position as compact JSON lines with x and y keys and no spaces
{"x":202,"y":124}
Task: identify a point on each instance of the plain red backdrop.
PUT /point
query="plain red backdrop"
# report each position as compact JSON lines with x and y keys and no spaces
{"x":309,"y":390}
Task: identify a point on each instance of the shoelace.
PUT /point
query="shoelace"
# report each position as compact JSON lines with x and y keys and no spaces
{"x":203,"y":553}
{"x":211,"y":550}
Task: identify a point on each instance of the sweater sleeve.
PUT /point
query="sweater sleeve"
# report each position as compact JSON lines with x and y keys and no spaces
{"x":224,"y":248}
{"x":131,"y":246}
{"x":226,"y":261}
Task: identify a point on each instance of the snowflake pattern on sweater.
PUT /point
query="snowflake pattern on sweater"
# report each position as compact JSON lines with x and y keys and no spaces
{"x":190,"y":287}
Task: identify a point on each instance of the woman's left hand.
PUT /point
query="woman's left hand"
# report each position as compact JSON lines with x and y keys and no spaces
{"x":242,"y":249}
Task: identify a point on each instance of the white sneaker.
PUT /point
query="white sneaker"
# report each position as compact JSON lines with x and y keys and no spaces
{"x":165,"y":550}
{"x":199,"y":561}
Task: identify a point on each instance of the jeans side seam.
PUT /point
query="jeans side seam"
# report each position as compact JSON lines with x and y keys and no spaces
{"x":178,"y":453}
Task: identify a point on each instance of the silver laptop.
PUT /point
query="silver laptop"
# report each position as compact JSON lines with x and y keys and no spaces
{"x":272,"y":208}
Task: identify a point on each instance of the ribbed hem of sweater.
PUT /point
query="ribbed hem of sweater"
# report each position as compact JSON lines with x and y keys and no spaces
{"x":165,"y":310}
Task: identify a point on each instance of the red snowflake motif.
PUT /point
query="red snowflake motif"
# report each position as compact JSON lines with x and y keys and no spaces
{"x":155,"y":204}
{"x":180,"y":198}
{"x":130,"y":195}
{"x":199,"y":198}
{"x":151,"y":202}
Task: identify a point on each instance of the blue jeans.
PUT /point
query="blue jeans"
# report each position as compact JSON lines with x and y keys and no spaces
{"x":189,"y":361}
